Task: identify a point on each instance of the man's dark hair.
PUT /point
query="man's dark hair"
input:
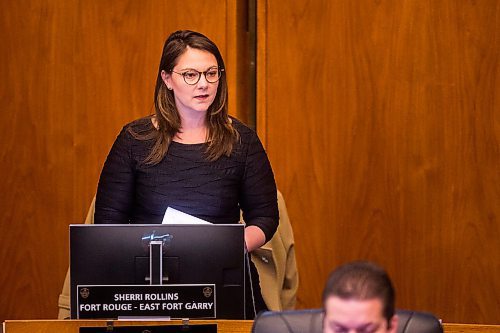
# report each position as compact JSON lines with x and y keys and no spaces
{"x":362,"y":280}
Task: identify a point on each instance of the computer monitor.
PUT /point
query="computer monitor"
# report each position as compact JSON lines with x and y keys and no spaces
{"x":112,"y":262}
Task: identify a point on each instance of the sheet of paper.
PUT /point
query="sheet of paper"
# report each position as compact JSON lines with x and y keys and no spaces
{"x":174,"y":216}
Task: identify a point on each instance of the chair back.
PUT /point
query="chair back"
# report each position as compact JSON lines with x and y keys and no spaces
{"x":294,"y":321}
{"x":311,"y":321}
{"x":415,"y":321}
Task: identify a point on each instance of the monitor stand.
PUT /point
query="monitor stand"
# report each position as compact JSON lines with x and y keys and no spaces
{"x":155,"y":263}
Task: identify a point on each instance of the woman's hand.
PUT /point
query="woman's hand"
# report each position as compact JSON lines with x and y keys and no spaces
{"x":254,"y":237}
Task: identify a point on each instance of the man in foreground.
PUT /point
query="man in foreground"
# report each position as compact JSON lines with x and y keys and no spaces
{"x":359,"y":297}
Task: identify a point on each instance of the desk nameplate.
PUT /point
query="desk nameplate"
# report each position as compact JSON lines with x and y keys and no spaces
{"x":122,"y":301}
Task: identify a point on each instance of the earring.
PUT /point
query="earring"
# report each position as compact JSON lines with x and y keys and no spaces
{"x":169,"y":88}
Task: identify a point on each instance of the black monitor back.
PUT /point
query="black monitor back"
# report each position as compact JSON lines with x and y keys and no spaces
{"x":111,"y":254}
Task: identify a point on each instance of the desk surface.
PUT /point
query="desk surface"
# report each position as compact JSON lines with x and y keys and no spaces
{"x":72,"y":326}
{"x":224,"y":326}
{"x":466,"y":328}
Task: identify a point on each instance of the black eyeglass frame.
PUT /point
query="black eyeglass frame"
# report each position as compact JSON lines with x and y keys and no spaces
{"x":183,"y":74}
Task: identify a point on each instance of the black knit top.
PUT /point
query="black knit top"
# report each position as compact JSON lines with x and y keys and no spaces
{"x":130,"y":191}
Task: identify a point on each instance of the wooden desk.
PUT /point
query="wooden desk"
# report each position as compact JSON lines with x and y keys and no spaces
{"x":72,"y":326}
{"x":224,"y":326}
{"x":470,"y":328}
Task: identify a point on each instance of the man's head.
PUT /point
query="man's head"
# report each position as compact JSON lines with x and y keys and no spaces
{"x":359,"y":297}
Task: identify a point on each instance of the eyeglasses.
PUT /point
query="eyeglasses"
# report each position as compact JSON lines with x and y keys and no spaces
{"x":192,"y":76}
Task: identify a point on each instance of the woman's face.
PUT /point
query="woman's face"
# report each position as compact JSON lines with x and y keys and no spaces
{"x":193,"y":99}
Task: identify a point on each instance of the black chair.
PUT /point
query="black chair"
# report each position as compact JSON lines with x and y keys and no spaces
{"x":311,"y":321}
{"x":414,"y":321}
{"x":296,"y":321}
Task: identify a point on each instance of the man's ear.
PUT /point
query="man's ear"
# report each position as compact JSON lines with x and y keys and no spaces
{"x":394,"y":324}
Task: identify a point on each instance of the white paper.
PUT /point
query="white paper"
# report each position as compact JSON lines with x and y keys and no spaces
{"x":174,"y":216}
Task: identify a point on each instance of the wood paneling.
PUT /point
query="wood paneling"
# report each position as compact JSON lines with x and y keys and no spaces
{"x":381,"y":119}
{"x":72,"y":74}
{"x":382,"y":123}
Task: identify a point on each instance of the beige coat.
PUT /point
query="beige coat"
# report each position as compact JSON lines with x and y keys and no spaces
{"x":275,"y":262}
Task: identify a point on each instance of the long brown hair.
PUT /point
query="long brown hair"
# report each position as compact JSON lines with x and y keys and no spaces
{"x":221,"y":134}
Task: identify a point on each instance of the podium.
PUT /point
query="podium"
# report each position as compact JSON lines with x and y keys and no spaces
{"x":73,"y":326}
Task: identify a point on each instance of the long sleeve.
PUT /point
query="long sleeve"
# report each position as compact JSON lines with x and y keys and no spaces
{"x":115,"y":192}
{"x":258,"y":192}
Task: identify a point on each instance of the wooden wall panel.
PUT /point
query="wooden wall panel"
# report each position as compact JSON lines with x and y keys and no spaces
{"x":72,"y":74}
{"x":381,"y":119}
